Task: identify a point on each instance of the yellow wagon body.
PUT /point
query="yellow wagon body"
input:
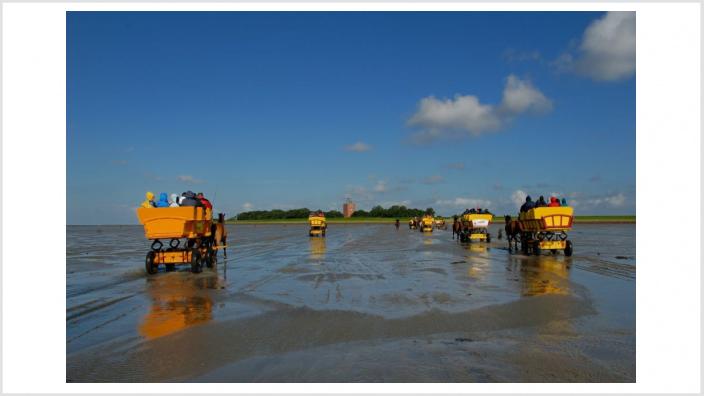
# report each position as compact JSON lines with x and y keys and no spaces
{"x":426,"y":224}
{"x":317,"y":225}
{"x":181,"y":222}
{"x":557,"y":218}
{"x":478,"y":220}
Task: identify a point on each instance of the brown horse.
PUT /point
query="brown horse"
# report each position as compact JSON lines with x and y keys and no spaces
{"x":513,"y":231}
{"x":219,"y":234}
{"x":456,"y":227}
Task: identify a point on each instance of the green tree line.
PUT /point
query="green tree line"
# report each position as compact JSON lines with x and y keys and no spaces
{"x":302,"y":213}
{"x":278,"y":214}
{"x":393,"y":211}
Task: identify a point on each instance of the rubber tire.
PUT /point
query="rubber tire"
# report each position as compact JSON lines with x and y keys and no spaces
{"x":149,"y":263}
{"x":553,"y":251}
{"x":170,"y":267}
{"x":196,"y":266}
{"x":536,"y":248}
{"x":568,"y":249}
{"x":488,"y":238}
{"x":209,"y":257}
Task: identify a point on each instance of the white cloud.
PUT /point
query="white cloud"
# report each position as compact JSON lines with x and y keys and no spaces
{"x":247,"y":206}
{"x":607,"y":51}
{"x":434,"y":179}
{"x":380,"y":186}
{"x":460,"y":202}
{"x":388,"y":204}
{"x":612,"y":200}
{"x":463,"y":113}
{"x":520,"y":96}
{"x":466,"y":115}
{"x":189,"y":179}
{"x":358,"y":147}
{"x":518,"y":197}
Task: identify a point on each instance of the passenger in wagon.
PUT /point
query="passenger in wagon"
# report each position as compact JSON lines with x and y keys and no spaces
{"x":163,"y":201}
{"x":174,"y":201}
{"x":554,"y":202}
{"x":149,"y":202}
{"x":564,"y":202}
{"x":528,"y":205}
{"x":189,"y":199}
{"x":204,"y":201}
{"x":541,"y":202}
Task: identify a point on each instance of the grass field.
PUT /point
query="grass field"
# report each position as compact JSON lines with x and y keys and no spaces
{"x":377,"y":220}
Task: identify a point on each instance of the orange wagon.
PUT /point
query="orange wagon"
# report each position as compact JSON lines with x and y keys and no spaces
{"x":194,"y":224}
{"x":545,"y":228}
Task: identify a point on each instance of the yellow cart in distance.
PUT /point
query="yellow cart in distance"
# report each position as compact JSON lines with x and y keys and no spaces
{"x":475,"y":227}
{"x":426,"y":223}
{"x":545,"y":228}
{"x":194,"y":224}
{"x":440,"y":223}
{"x":318,"y":225}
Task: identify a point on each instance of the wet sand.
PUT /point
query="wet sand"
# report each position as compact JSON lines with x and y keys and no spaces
{"x":367,"y":303}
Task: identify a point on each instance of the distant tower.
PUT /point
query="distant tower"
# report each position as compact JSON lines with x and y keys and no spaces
{"x":348,"y":208}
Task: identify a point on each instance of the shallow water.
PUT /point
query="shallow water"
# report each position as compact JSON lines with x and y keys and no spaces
{"x":367,"y":303}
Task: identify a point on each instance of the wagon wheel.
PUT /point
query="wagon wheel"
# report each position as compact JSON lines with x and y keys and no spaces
{"x":525,"y":244}
{"x":149,"y":263}
{"x":195,"y":261}
{"x":488,"y":237}
{"x":170,"y":267}
{"x":568,"y":249}
{"x":536,"y":248}
{"x":209,"y":257}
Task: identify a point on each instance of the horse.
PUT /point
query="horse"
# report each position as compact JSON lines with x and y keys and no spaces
{"x":456,"y":227}
{"x":513,"y":231}
{"x":219,"y":233}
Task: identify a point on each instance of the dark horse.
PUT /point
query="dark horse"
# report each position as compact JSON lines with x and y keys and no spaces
{"x":456,"y":227}
{"x":513,"y":231}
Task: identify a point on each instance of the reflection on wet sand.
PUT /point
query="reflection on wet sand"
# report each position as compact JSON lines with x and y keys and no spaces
{"x":543,"y":275}
{"x":479,"y":263}
{"x":317,"y":248}
{"x":179,"y":301}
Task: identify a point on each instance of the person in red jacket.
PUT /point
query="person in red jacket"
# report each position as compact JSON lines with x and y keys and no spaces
{"x":554,"y":202}
{"x":204,"y":201}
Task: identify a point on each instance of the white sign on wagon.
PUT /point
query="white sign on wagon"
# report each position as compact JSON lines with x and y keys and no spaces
{"x":480,"y":223}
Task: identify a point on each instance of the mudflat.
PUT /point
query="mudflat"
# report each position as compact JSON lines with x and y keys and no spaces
{"x":367,"y":303}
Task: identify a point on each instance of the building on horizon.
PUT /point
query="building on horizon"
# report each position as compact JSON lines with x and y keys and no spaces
{"x":348,"y":208}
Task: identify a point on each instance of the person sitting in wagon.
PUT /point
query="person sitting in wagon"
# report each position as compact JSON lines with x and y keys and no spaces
{"x":541,"y":202}
{"x":528,"y":205}
{"x":204,"y":201}
{"x":554,"y":202}
{"x":163,"y":201}
{"x":149,"y":202}
{"x":189,"y":199}
{"x":174,"y":201}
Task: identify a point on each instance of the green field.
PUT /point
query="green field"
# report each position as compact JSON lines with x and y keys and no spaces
{"x":375,"y":220}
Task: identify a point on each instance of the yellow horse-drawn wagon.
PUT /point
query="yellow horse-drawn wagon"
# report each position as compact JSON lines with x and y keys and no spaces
{"x":318,"y":225}
{"x":440,"y":223}
{"x":545,"y":228}
{"x":194,"y":224}
{"x":426,"y":223}
{"x":475,"y":227}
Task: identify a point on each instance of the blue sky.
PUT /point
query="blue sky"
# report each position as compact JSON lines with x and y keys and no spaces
{"x":283,"y":110}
